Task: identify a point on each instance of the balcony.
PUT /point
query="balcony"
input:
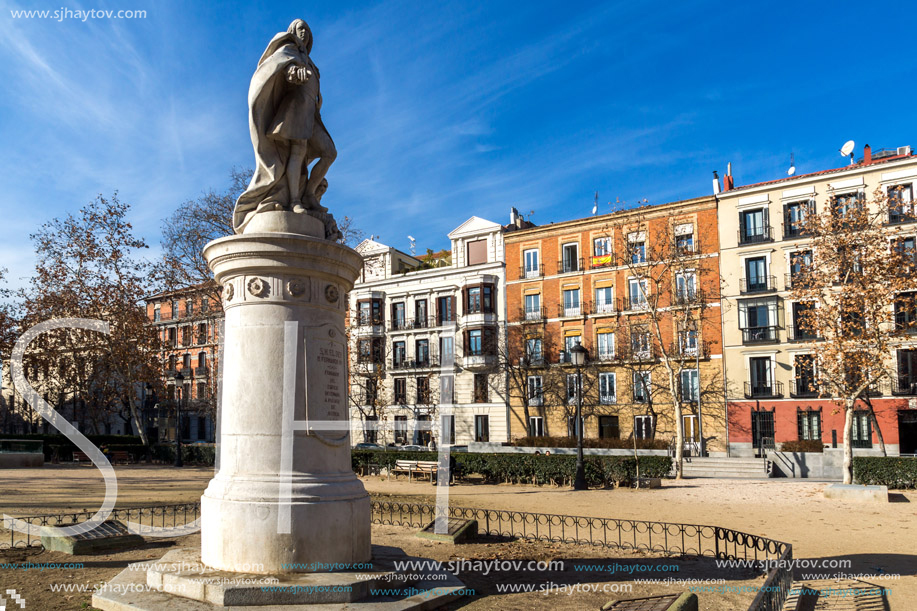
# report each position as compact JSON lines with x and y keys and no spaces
{"x":635,"y":306}
{"x":639,"y":355}
{"x":766,"y":390}
{"x":531,"y":272}
{"x":756,"y":236}
{"x":797,"y":334}
{"x":406,"y":364}
{"x":410,"y":324}
{"x":568,"y":311}
{"x":686,"y":250}
{"x":602,"y":261}
{"x":366,"y":320}
{"x":759,"y":335}
{"x":793,"y":230}
{"x":904,"y":386}
{"x":568,"y":266}
{"x":761,"y":284}
{"x":688,"y":297}
{"x":901,"y":215}
{"x":478,"y":360}
{"x":532,"y":315}
{"x":803,"y":389}
{"x":680,"y":351}
{"x":604,"y":308}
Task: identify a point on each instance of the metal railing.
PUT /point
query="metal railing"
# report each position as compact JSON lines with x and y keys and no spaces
{"x":762,"y":284}
{"x":748,"y":236}
{"x":567,"y":266}
{"x":566,"y":311}
{"x":802,"y":388}
{"x":536,"y":272}
{"x":532,"y":315}
{"x":795,"y":334}
{"x":759,"y":335}
{"x":639,"y":305}
{"x":904,"y":386}
{"x":688,"y":297}
{"x":763,"y":391}
{"x":153,"y":516}
{"x":606,"y":307}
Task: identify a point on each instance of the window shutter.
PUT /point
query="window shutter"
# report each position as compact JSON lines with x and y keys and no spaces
{"x":453,"y":307}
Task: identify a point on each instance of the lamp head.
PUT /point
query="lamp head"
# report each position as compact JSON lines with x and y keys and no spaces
{"x":579,"y":354}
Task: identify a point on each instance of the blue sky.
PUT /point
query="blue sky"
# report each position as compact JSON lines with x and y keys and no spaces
{"x":443,"y":110}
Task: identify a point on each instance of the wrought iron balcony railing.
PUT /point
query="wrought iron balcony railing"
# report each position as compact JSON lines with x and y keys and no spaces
{"x":567,"y":266}
{"x":756,"y":235}
{"x":759,"y":335}
{"x":763,"y":390}
{"x":531,"y":272}
{"x":803,"y":388}
{"x":761,"y":284}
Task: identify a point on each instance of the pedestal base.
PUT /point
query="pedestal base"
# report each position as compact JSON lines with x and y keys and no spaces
{"x":178,"y":581}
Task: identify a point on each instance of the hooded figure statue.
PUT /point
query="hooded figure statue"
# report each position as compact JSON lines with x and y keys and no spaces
{"x":287,"y":132}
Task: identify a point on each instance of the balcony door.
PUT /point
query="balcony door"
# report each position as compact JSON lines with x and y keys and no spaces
{"x":760,"y":375}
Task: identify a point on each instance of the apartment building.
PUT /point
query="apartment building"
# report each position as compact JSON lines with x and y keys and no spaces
{"x":424,"y":341}
{"x":770,"y":394}
{"x":188,"y":322}
{"x":639,"y":289}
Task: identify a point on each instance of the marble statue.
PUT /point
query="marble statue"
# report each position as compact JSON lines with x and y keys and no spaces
{"x":287,"y":133}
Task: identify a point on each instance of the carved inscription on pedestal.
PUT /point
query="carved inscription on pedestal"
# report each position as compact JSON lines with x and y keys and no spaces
{"x":326,"y":375}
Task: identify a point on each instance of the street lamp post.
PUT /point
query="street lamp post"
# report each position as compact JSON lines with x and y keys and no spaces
{"x":578,"y":355}
{"x":179,"y":378}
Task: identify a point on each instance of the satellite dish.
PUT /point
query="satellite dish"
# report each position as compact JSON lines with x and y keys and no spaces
{"x":847,"y":148}
{"x":792,"y":169}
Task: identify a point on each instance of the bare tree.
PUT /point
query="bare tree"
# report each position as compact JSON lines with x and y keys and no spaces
{"x":89,"y":267}
{"x":851,"y":280}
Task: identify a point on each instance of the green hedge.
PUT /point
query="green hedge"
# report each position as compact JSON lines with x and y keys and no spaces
{"x":593,"y":442}
{"x":892,"y":471}
{"x":195,"y":454}
{"x":64,"y":447}
{"x":530,"y":468}
{"x":802,"y":445}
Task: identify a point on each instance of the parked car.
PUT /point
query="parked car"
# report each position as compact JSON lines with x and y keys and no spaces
{"x":368,"y":446}
{"x":412,"y":448}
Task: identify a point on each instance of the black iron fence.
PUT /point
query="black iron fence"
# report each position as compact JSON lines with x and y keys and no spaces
{"x":174,"y":516}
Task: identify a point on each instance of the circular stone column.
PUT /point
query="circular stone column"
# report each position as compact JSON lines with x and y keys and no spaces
{"x":270,"y":280}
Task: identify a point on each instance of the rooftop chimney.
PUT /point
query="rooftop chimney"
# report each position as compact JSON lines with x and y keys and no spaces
{"x":867,"y":154}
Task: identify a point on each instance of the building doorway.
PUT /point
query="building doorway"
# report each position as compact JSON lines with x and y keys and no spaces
{"x":762,"y":431}
{"x":907,"y":431}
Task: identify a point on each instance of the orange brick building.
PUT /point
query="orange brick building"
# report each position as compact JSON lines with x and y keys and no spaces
{"x":640,"y":290}
{"x":188,"y":322}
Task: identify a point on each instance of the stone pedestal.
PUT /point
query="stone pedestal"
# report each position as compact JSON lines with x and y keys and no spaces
{"x":285,"y":498}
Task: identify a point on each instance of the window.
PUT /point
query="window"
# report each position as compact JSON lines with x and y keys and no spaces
{"x":201,"y":360}
{"x":535,"y":392}
{"x":422,"y":352}
{"x":688,"y":386}
{"x":533,"y":352}
{"x":570,"y":342}
{"x":482,"y":428}
{"x":531,"y":267}
{"x":684,"y":239}
{"x":401,"y":390}
{"x":608,"y":427}
{"x":571,"y":302}
{"x":570,"y":261}
{"x":640,"y":342}
{"x":205,"y":304}
{"x":687,"y":342}
{"x":186,"y":361}
{"x":173,"y":362}
{"x":202,"y":333}
{"x":477,"y":252}
{"x":604,"y":300}
{"x":447,"y":390}
{"x":605,"y":342}
{"x":906,"y":248}
{"x":636,"y":293}
{"x":186,"y":336}
{"x":370,"y":312}
{"x":761,"y":380}
{"x":174,"y":308}
{"x":756,"y":279}
{"x":808,"y":424}
{"x":636,"y":244}
{"x":607,"y":394}
{"x":157,"y":314}
{"x":423,"y":390}
{"x":841,"y":205}
{"x":906,"y":312}
{"x":479,"y":299}
{"x":643,"y":427}
{"x":448,"y":432}
{"x":420,"y":314}
{"x":794,"y":217}
{"x":758,"y":320}
{"x":803,"y":327}
{"x":572,"y":388}
{"x":572,"y":428}
{"x":754,"y":226}
{"x":399,"y":354}
{"x":372,"y":393}
{"x":475,"y":342}
{"x":480,"y":388}
{"x":536,"y":426}
{"x":906,"y":382}
{"x":685,"y":287}
{"x":601,"y":252}
{"x":446,"y":349}
{"x":862,"y":430}
{"x":422,"y":433}
{"x":901,"y":204}
{"x":398,"y":321}
{"x":800,"y":264}
{"x":445,"y":309}
{"x":202,"y":390}
{"x":642,"y":386}
{"x":172,"y":334}
{"x":533,"y":307}
{"x":804,"y":383}
{"x":401,"y":429}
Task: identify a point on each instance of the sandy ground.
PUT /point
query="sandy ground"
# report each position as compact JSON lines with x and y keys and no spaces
{"x":877,"y":539}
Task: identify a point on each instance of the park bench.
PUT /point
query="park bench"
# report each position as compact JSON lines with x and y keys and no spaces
{"x":120,"y":456}
{"x":79,"y":457}
{"x":421,"y":467}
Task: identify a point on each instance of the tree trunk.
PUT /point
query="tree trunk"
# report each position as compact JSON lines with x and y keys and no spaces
{"x":848,"y":445}
{"x":875,"y":425}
